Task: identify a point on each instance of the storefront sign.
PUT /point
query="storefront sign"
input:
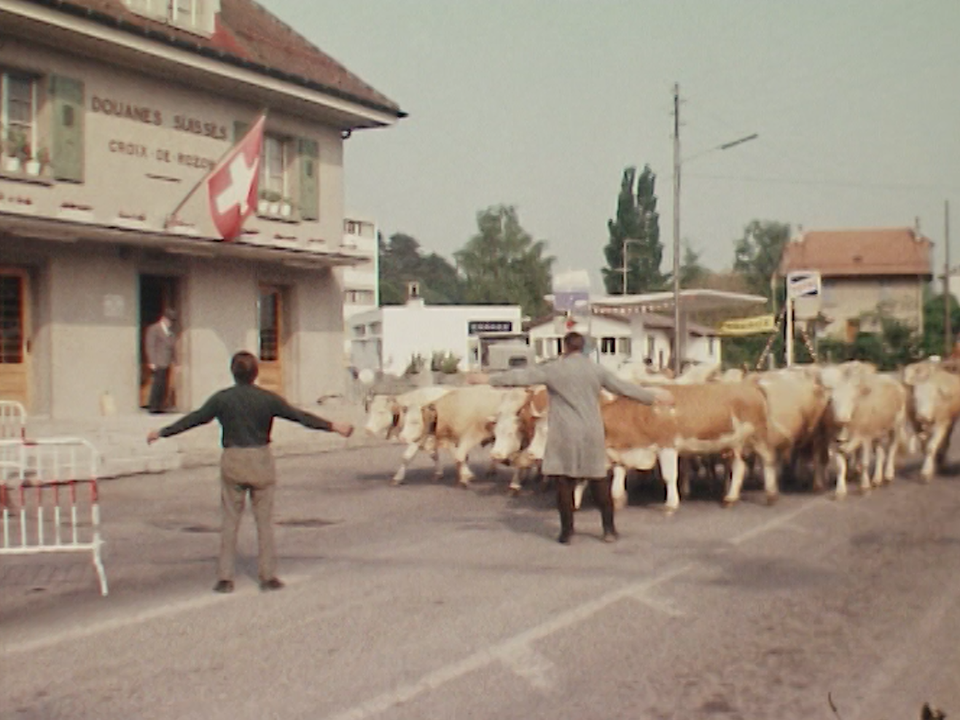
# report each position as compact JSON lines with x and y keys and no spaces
{"x":475,"y":327}
{"x":161,"y":154}
{"x":749,"y":326}
{"x":152,"y":116}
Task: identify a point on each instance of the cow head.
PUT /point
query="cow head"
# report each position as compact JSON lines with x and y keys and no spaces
{"x":384,"y":416}
{"x":845,"y":395}
{"x":514,"y":425}
{"x":419,"y":422}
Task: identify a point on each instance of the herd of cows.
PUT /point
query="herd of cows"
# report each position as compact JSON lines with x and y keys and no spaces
{"x":814,"y":419}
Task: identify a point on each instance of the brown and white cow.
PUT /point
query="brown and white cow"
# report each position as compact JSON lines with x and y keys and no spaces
{"x":934,"y":408}
{"x":460,"y":421}
{"x":386,"y":415}
{"x":728,"y":418}
{"x":520,"y":431}
{"x":868,"y":411}
{"x":796,"y":407}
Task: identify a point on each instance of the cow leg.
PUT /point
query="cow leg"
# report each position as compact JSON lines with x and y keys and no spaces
{"x":685,"y":469}
{"x":578,"y":489}
{"x":841,"y":492}
{"x":943,"y":447}
{"x":890,"y":471}
{"x":408,"y":455}
{"x":770,"y":485}
{"x":516,"y":481}
{"x":462,"y":452}
{"x":937,"y":438}
{"x":437,"y":465}
{"x":565,"y":487}
{"x":880,"y":464}
{"x":866,"y":455}
{"x":668,"y":460}
{"x":618,"y":487}
{"x":738,"y":469}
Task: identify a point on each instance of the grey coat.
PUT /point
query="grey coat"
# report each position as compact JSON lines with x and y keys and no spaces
{"x":575,"y":439}
{"x":160,"y":346}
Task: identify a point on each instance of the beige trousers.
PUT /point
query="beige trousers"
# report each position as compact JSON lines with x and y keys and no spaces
{"x":242,"y":471}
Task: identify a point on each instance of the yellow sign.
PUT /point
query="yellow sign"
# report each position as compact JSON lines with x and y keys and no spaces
{"x":749,"y":326}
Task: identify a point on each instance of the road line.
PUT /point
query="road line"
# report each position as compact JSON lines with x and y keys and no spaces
{"x":508,"y":649}
{"x":774,"y":523}
{"x":532,"y":666}
{"x":198,"y":602}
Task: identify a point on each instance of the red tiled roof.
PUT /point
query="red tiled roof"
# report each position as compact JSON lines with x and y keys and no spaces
{"x":865,"y":251}
{"x":246,"y":35}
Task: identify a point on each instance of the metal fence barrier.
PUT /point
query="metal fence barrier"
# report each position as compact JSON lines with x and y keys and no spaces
{"x":48,"y":498}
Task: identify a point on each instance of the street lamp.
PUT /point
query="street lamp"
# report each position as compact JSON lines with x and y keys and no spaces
{"x":678,"y":337}
{"x":626,"y":242}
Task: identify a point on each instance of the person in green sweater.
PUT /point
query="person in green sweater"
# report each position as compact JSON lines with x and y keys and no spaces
{"x":246,"y":412}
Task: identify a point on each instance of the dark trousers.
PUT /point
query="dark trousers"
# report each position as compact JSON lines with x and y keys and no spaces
{"x":247,"y":471}
{"x":600,"y":489}
{"x":158,"y":389}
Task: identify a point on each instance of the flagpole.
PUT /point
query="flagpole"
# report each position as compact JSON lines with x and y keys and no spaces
{"x":216,"y":166}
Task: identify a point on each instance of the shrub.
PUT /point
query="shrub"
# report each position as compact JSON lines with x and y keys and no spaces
{"x":445,"y":362}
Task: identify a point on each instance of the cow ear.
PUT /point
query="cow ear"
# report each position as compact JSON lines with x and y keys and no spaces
{"x":490,"y":423}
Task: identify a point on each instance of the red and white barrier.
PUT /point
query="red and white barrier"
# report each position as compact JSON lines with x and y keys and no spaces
{"x":48,"y":489}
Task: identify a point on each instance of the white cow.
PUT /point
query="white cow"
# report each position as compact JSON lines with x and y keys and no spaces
{"x":868,"y":412}
{"x":386,"y":415}
{"x":934,"y":408}
{"x":461,"y":420}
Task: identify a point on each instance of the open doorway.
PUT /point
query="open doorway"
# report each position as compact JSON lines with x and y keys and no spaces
{"x":270,"y":312}
{"x":157,"y":293}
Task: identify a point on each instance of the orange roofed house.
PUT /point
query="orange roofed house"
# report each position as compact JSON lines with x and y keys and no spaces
{"x":111,"y":112}
{"x":864,"y":271}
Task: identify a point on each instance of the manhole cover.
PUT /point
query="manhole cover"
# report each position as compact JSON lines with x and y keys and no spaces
{"x":306,"y":523}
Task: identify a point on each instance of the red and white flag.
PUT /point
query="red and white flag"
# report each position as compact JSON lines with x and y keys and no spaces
{"x":232,"y":185}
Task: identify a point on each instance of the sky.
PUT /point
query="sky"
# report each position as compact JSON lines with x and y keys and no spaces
{"x":541,"y":104}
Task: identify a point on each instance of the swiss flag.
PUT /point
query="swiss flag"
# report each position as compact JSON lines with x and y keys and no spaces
{"x":232,"y":186}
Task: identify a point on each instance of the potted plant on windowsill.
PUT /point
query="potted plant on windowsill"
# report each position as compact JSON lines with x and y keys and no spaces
{"x":269,"y":203}
{"x":32,"y":164}
{"x":17,"y":150}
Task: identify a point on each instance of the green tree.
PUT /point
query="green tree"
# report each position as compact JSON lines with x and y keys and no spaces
{"x":757,"y":253}
{"x":401,"y":261}
{"x":692,"y":273}
{"x":639,"y":222}
{"x":502,"y":263}
{"x":934,"y":342}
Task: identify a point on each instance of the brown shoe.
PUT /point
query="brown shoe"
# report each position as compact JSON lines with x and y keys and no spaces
{"x":223,"y":586}
{"x":271,"y":584}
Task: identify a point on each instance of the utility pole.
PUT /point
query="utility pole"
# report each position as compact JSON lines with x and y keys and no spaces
{"x":677,"y":338}
{"x":947,"y":330}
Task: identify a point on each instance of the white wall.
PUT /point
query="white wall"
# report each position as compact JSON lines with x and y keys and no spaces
{"x":418,"y":329}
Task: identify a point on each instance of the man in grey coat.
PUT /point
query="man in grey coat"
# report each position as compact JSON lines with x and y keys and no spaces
{"x":160,"y":344}
{"x":575,"y":443}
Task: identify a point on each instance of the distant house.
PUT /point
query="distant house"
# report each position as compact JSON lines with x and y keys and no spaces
{"x":618,"y":339}
{"x":863,"y":271}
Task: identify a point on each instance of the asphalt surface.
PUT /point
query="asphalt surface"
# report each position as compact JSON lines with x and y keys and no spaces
{"x":428,"y":601}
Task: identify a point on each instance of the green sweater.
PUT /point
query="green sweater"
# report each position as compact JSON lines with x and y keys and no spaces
{"x":246,"y":414}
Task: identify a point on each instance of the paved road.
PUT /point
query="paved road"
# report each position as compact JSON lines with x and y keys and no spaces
{"x":428,"y":601}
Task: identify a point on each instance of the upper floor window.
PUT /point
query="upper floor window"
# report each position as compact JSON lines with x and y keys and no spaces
{"x":608,"y":346}
{"x":193,"y":15}
{"x":18,"y":118}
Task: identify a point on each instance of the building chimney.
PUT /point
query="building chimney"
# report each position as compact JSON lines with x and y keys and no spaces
{"x":413,"y":293}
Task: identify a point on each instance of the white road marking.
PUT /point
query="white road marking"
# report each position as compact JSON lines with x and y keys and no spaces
{"x":773,"y":523}
{"x":526,"y":662}
{"x":162,"y":611}
{"x":510,"y":648}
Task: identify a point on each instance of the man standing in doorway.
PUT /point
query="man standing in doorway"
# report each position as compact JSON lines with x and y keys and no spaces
{"x":575,"y":441}
{"x":246,"y":414}
{"x":160,"y":344}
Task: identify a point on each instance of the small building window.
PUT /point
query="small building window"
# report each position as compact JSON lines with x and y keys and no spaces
{"x":359,"y":331}
{"x":275,"y":169}
{"x":558,"y":347}
{"x":608,"y":346}
{"x":376,"y":328}
{"x":538,"y":347}
{"x":626,"y":346}
{"x":651,"y":346}
{"x":710,"y":345}
{"x":18,"y":118}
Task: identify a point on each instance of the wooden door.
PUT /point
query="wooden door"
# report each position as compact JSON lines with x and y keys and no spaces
{"x":14,"y":336}
{"x":270,"y":353}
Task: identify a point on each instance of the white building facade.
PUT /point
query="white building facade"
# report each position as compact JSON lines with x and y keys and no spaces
{"x":388,"y":338}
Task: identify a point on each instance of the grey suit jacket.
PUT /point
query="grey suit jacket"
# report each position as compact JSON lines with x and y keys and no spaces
{"x":575,"y":439}
{"x":159,"y":346}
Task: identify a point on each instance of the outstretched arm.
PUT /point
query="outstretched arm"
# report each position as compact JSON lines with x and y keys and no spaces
{"x":286,"y":411}
{"x":645,"y":395}
{"x":206,"y":413}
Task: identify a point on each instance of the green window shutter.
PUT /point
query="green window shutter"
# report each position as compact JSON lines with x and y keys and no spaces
{"x":66,"y":95}
{"x":309,"y":154}
{"x":239,"y":130}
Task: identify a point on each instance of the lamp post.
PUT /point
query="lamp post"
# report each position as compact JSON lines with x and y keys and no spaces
{"x":678,"y":337}
{"x":626,"y":242}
